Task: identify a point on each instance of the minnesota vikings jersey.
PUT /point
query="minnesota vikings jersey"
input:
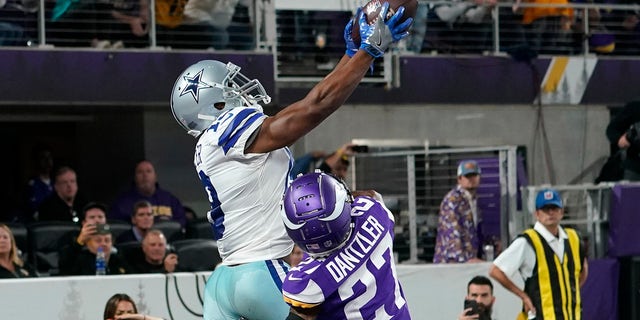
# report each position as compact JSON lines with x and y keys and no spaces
{"x":358,"y":281}
{"x":244,"y":190}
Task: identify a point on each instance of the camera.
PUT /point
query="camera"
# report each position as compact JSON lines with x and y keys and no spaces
{"x":633,"y":135}
{"x":360,"y":148}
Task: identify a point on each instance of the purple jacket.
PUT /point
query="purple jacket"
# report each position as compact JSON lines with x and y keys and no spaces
{"x":165,"y":205}
{"x":457,"y":238}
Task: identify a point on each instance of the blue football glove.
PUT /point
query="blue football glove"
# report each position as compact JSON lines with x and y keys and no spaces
{"x":377,"y":37}
{"x":348,"y":40}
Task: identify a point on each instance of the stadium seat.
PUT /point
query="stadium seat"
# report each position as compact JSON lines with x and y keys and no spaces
{"x":172,"y":230}
{"x":199,"y":229}
{"x":118,"y":227}
{"x":45,"y":239}
{"x":130,"y":251}
{"x":197,"y":254}
{"x":19,"y":231}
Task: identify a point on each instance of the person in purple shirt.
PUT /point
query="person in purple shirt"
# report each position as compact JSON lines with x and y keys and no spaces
{"x":349,"y":270}
{"x":165,"y":205}
{"x":458,"y":239}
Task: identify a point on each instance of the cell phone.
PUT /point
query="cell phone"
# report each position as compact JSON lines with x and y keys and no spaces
{"x":102,"y":228}
{"x":360,"y":148}
{"x":473,"y":305}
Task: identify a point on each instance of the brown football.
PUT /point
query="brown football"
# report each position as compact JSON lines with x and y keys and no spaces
{"x":372,"y":9}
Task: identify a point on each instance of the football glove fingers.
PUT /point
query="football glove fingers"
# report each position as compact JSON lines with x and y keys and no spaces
{"x":399,"y":30}
{"x":378,"y":36}
{"x":348,"y":39}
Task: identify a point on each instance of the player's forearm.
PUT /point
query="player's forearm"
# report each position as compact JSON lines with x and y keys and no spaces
{"x":301,"y":117}
{"x":336,"y":87}
{"x":502,"y":278}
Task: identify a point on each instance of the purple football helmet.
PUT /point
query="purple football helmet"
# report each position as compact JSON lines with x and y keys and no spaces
{"x":316,"y":211}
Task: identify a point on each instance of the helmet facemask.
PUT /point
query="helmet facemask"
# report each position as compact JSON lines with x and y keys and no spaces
{"x":209,"y":88}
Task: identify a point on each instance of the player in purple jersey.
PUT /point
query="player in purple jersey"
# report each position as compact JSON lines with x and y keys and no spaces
{"x":350,"y":270}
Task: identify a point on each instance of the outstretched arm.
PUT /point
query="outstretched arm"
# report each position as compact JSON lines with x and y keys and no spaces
{"x":299,"y":118}
{"x":328,"y":95}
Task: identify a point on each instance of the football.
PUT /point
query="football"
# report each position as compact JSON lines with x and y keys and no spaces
{"x":373,"y":7}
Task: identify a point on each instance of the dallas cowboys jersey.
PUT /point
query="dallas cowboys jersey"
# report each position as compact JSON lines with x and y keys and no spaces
{"x":357,"y":282}
{"x":244,"y":190}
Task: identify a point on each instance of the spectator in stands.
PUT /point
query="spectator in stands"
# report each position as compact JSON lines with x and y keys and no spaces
{"x":77,"y":255}
{"x":415,"y":40}
{"x":336,"y":163}
{"x":14,"y":16}
{"x":480,"y":290}
{"x":547,"y":29}
{"x":165,"y":205}
{"x":85,"y":261}
{"x":176,"y":30}
{"x":142,"y":221}
{"x":213,"y":17}
{"x":457,"y":239}
{"x":66,"y":202}
{"x":11,"y":265}
{"x":126,"y":24}
{"x":71,"y":23}
{"x":549,"y":259}
{"x":155,"y":258}
{"x":623,"y":131}
{"x":468,"y":24}
{"x":39,"y":187}
{"x":121,"y":306}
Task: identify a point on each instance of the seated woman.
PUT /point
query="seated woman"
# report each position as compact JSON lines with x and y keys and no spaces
{"x":121,"y":306}
{"x":11,"y":265}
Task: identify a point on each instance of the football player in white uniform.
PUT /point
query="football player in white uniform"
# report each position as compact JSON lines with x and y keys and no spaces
{"x":243,"y":162}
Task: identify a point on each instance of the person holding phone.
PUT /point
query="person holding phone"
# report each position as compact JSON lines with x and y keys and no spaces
{"x":155,"y":256}
{"x":336,"y":163}
{"x":478,"y":304}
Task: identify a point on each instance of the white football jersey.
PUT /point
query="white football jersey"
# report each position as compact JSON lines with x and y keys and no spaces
{"x":244,"y":190}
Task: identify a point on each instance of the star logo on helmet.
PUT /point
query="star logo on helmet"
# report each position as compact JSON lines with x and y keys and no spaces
{"x":194,"y":84}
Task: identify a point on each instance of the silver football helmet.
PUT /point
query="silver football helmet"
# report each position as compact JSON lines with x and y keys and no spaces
{"x":207,"y":89}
